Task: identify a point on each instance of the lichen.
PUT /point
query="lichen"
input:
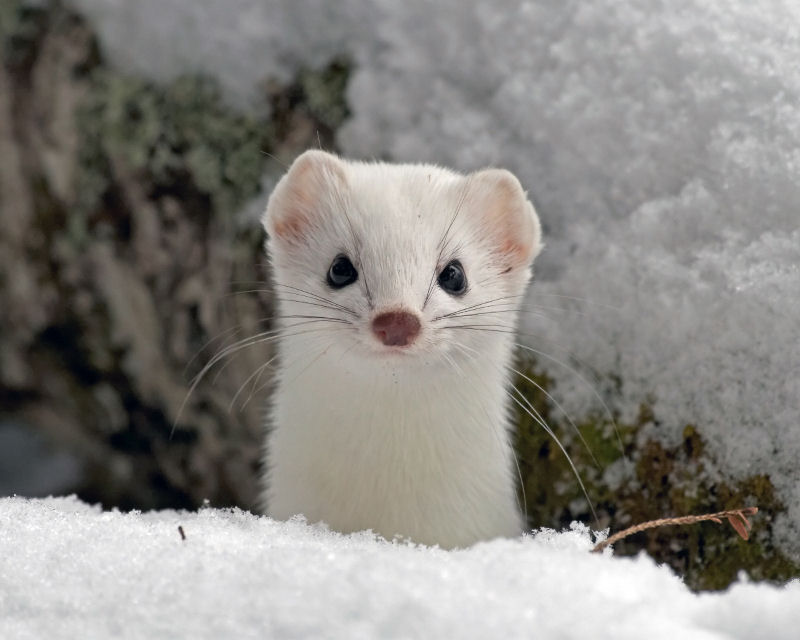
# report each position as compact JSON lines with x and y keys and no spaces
{"x":324,"y":92}
{"x":179,"y":137}
{"x":630,"y":477}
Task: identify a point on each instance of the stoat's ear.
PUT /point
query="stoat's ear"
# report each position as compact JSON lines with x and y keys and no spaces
{"x":301,"y":196}
{"x":507,"y":218}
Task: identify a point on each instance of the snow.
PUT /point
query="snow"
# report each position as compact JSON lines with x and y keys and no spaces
{"x":659,"y":141}
{"x":70,"y":570}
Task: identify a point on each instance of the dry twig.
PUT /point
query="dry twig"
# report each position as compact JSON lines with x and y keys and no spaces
{"x":737,"y":518}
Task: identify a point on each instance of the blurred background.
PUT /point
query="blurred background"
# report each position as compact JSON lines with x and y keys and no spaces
{"x":138,"y":144}
{"x":129,"y":256}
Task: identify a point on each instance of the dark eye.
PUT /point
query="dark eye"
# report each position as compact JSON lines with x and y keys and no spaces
{"x":341,"y":272}
{"x":452,"y":279}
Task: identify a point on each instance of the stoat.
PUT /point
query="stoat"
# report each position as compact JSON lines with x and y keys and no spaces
{"x":397,"y":287}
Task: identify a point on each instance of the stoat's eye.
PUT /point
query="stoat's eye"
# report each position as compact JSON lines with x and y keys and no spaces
{"x":341,"y":272}
{"x":452,"y":278}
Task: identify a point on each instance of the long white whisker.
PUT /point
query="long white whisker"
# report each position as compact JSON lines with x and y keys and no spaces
{"x":589,"y":386}
{"x":266,"y":336}
{"x":534,"y":414}
{"x":575,"y":298}
{"x":257,"y":389}
{"x":474,"y":307}
{"x":258,"y":372}
{"x":235,"y":329}
{"x":314,"y":296}
{"x":225,"y":352}
{"x":564,"y":411}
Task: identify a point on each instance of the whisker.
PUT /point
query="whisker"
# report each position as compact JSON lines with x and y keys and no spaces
{"x":296,"y":324}
{"x":311,"y":302}
{"x":235,"y":329}
{"x":275,"y":159}
{"x":588,"y":385}
{"x":575,"y":298}
{"x":475,"y":306}
{"x":564,"y":411}
{"x":497,"y":328}
{"x":534,"y":414}
{"x":263,"y":337}
{"x":258,"y":372}
{"x":507,"y":330}
{"x":240,"y":292}
{"x":317,"y":297}
{"x":312,"y":317}
{"x":257,"y":389}
{"x":491,"y":312}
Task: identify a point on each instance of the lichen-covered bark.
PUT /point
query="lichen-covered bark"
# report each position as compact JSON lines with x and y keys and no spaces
{"x":121,"y":257}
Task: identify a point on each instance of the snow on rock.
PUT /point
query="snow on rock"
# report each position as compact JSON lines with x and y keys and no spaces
{"x":661,"y":145}
{"x":659,"y":141}
{"x":69,"y":570}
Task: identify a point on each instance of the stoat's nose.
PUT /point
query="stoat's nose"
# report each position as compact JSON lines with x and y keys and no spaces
{"x":396,"y":328}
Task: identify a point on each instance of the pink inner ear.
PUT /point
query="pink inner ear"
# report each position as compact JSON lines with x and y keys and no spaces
{"x":300,"y":196}
{"x":518,"y":252}
{"x":509,"y":218}
{"x":292,"y":227}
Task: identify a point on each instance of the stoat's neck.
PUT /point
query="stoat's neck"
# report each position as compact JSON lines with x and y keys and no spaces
{"x":397,"y":449}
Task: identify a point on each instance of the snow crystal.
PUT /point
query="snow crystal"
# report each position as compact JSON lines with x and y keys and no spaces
{"x":72,"y":571}
{"x":659,"y":141}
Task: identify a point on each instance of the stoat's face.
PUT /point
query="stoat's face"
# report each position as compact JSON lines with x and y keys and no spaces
{"x":400,"y":261}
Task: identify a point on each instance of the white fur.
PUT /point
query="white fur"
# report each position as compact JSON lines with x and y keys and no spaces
{"x":412,"y":441}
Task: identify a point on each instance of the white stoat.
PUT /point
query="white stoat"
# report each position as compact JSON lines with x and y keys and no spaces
{"x":397,"y":287}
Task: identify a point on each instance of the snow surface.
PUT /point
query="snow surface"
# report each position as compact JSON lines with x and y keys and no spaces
{"x":70,"y":570}
{"x":660,"y":142}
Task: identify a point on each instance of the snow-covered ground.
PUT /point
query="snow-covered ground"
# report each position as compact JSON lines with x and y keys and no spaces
{"x":660,"y":142}
{"x":69,"y":570}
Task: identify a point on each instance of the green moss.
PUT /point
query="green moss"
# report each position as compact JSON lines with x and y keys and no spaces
{"x":650,"y":481}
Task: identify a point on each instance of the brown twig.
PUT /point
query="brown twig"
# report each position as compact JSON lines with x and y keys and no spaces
{"x":180,"y":530}
{"x":737,"y":518}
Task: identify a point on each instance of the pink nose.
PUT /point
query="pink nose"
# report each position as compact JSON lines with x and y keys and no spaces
{"x":396,"y":328}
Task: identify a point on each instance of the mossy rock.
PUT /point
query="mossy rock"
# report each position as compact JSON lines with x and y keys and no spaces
{"x":632,"y":478}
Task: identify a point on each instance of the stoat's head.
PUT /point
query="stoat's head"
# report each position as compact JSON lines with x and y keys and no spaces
{"x":400,"y":260}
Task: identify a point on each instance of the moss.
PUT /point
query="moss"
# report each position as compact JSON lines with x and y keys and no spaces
{"x":650,"y":481}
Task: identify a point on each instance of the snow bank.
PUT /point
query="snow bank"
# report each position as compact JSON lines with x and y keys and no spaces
{"x":660,"y":142}
{"x":69,"y":570}
{"x":661,"y":145}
